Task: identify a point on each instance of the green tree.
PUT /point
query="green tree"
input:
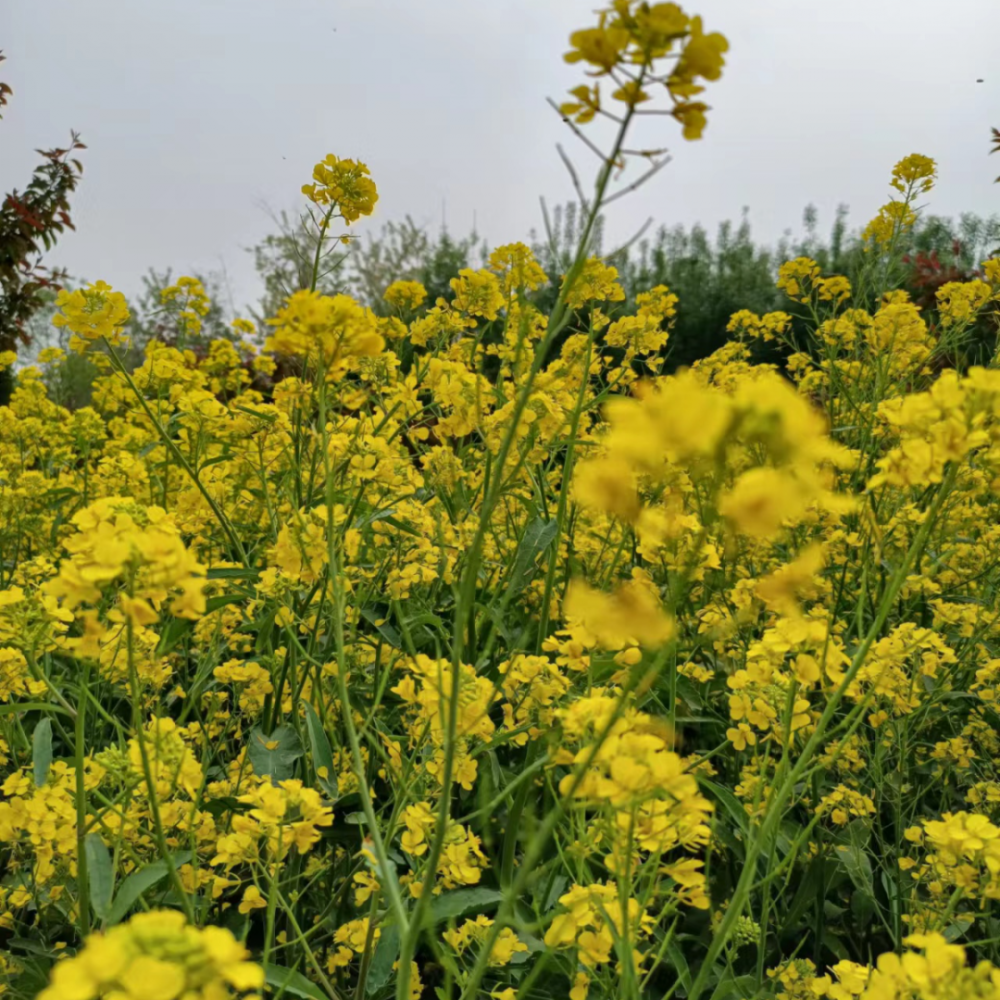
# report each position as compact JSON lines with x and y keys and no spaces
{"x":30,"y":222}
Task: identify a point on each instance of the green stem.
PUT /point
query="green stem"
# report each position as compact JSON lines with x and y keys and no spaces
{"x":82,"y":874}
{"x":777,"y":805}
{"x":179,"y":455}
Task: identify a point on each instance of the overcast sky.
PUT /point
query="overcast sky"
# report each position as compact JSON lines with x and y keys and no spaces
{"x":197,"y":113}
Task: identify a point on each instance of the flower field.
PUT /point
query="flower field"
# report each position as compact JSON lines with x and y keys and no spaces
{"x":454,"y":650}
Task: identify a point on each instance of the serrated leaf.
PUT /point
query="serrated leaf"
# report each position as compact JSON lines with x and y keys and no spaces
{"x":386,"y":953}
{"x":463,"y":901}
{"x":274,"y":755}
{"x":99,"y":874}
{"x":138,"y":882}
{"x":285,"y":980}
{"x":322,"y":755}
{"x":41,"y":751}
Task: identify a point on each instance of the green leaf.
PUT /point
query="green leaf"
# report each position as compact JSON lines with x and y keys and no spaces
{"x":138,"y":882}
{"x":231,"y":573}
{"x":462,"y":901}
{"x":735,"y":987}
{"x":32,"y":706}
{"x":858,"y":867}
{"x":425,"y":619}
{"x":811,"y":885}
{"x":537,"y":537}
{"x":30,"y":948}
{"x":384,"y":629}
{"x":285,"y":980}
{"x":274,"y":756}
{"x":957,"y":929}
{"x":41,"y":751}
{"x":535,"y":947}
{"x":559,"y":884}
{"x":99,"y":874}
{"x":400,"y":525}
{"x":862,"y":908}
{"x":379,"y":515}
{"x":172,"y":633}
{"x":386,"y":953}
{"x":322,"y":755}
{"x":221,"y":600}
{"x":729,"y":802}
{"x":676,"y":956}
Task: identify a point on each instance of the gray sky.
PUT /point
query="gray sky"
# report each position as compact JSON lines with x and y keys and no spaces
{"x":198,"y":112}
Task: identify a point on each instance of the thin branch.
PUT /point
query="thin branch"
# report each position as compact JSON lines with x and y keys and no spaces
{"x":631,"y":241}
{"x":572,"y":173}
{"x":576,"y":131}
{"x":654,"y":169}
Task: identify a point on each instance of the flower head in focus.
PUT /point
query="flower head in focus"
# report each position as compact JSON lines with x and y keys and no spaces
{"x":92,"y":313}
{"x":344,"y":185}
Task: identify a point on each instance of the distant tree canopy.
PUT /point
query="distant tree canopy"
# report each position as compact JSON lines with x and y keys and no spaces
{"x":713,"y":276}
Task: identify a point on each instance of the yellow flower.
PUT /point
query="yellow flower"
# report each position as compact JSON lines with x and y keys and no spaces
{"x":91,"y":313}
{"x":797,"y":277}
{"x":517,"y":267}
{"x":959,"y":302}
{"x":477,"y":293}
{"x":914,"y":172}
{"x":405,"y":294}
{"x":155,"y":956}
{"x":762,"y":500}
{"x":252,"y":900}
{"x":331,"y":328}
{"x":893,"y":218}
{"x":346,"y":185}
{"x":597,"y":282}
{"x":703,"y":56}
{"x":601,"y":47}
{"x":586,"y":105}
{"x":630,"y":613}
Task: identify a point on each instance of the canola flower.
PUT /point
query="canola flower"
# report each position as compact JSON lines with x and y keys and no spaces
{"x":156,"y":956}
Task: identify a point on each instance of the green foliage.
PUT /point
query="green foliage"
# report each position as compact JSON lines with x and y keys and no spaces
{"x":30,"y":223}
{"x":152,"y":320}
